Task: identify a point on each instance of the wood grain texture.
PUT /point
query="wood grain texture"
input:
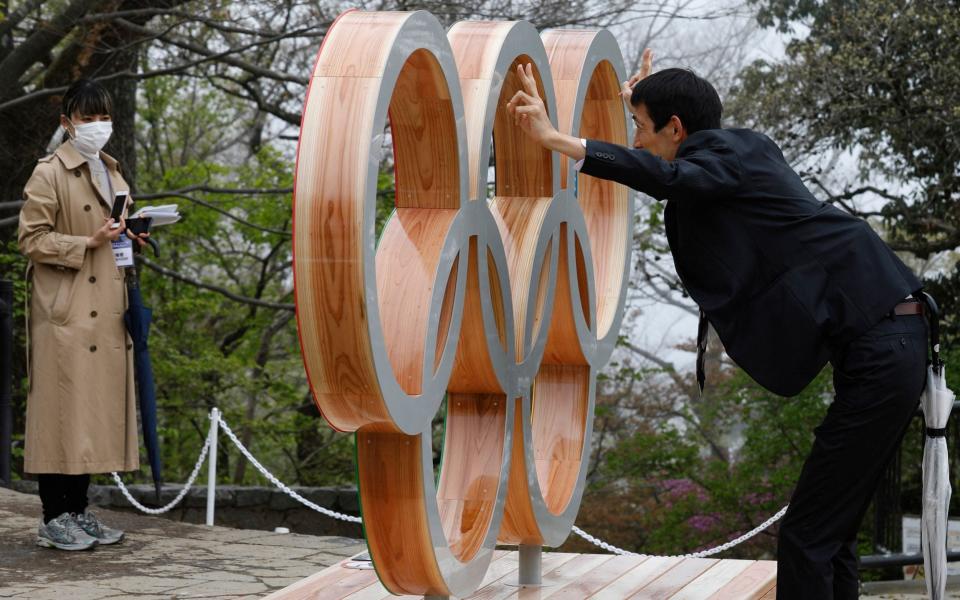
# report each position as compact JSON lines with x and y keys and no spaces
{"x":470,"y":471}
{"x":560,"y":402}
{"x":331,"y":205}
{"x":566,"y":576}
{"x":520,"y":222}
{"x":329,"y":285}
{"x":752,"y":583}
{"x":634,"y":579}
{"x":305,"y":589}
{"x":473,"y":369}
{"x":522,"y":167}
{"x":408,"y":259}
{"x":507,"y":280}
{"x":671,"y":582}
{"x":604,"y":203}
{"x":597,"y":578}
{"x":394,"y":516}
{"x":713,"y":579}
{"x":770,"y":594}
{"x":519,"y":524}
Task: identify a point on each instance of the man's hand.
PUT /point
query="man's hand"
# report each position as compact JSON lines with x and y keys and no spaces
{"x":528,"y":110}
{"x":646,"y":67}
{"x":529,"y":114}
{"x":106,"y":234}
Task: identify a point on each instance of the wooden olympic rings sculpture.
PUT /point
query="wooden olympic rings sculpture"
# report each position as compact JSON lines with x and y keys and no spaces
{"x":507,"y":309}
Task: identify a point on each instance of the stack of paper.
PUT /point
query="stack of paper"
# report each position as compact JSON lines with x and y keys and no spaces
{"x":160,"y":215}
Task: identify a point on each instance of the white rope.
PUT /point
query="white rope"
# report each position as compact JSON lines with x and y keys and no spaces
{"x":350,"y":519}
{"x":280,"y":485}
{"x":180,"y":496}
{"x":701,"y":554}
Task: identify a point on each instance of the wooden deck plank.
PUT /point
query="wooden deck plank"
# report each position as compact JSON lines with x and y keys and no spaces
{"x":500,"y":563}
{"x":596,"y":579}
{"x":306,"y":589}
{"x":572,"y":577}
{"x":506,"y":586}
{"x":675,"y":579}
{"x":501,"y":567}
{"x":712,"y":580}
{"x":376,"y":591}
{"x":751,"y":584}
{"x":354,"y":582}
{"x":560,"y":577}
{"x":636,"y":578}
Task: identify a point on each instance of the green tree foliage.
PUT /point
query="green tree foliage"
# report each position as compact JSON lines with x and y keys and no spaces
{"x":687,"y":474}
{"x":877,"y":77}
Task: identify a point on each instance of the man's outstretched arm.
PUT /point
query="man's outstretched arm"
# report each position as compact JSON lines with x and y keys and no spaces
{"x":712,"y":169}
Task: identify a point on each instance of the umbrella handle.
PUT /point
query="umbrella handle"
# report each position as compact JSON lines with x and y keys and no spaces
{"x":933,"y":318}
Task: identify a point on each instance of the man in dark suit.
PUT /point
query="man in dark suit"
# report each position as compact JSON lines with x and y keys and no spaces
{"x":788,"y":283}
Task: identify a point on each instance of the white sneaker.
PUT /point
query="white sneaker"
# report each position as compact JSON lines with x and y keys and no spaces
{"x":64,"y":533}
{"x":97,"y":530}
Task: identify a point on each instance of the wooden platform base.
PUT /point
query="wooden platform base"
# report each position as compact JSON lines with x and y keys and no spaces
{"x":573,"y":577}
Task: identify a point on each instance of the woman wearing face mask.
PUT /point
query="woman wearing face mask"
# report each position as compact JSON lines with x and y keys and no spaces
{"x":81,"y":414}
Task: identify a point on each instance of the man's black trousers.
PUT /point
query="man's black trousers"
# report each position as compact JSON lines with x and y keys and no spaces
{"x":878,"y":379}
{"x":62,"y":493}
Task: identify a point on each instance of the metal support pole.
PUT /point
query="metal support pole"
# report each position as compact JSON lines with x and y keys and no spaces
{"x":6,"y":379}
{"x":212,"y":464}
{"x":530,"y":565}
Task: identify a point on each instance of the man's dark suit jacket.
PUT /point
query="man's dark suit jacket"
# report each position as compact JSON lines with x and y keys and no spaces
{"x":784,"y":279}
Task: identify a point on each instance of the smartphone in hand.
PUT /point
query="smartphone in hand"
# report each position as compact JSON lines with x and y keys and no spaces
{"x":119,"y":202}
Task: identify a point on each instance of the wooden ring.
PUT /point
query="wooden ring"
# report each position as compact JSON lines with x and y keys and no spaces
{"x":489,"y":304}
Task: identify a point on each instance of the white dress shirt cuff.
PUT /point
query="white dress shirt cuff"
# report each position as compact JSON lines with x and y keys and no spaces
{"x":579,"y":163}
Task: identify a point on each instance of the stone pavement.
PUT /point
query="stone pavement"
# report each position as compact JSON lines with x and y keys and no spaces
{"x":160,"y":559}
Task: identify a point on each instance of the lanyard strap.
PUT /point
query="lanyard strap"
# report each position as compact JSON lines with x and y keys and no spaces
{"x":702,"y":328}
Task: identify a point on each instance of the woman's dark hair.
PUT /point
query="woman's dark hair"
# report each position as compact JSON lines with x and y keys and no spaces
{"x":679,"y":92}
{"x":86,"y":97}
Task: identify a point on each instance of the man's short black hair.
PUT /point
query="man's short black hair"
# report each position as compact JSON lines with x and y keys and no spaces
{"x":86,"y":97}
{"x":679,"y":92}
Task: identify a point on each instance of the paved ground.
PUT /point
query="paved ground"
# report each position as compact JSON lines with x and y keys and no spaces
{"x":160,"y":559}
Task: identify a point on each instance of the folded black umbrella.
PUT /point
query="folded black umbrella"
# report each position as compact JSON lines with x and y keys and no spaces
{"x":137,"y":319}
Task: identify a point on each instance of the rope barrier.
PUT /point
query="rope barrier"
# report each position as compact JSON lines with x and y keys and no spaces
{"x":351,"y":519}
{"x":280,"y":485}
{"x":700,"y":554}
{"x":180,"y":496}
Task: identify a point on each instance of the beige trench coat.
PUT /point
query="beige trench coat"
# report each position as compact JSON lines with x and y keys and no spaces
{"x":81,"y":411}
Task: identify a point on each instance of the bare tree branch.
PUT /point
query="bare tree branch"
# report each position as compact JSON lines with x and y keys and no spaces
{"x":213,"y":288}
{"x":226,"y":56}
{"x":31,"y":50}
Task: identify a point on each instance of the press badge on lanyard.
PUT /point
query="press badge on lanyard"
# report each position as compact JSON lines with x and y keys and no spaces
{"x":123,"y":246}
{"x":123,"y":251}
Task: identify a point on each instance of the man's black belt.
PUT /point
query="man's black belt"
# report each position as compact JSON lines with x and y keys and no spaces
{"x":908,"y":307}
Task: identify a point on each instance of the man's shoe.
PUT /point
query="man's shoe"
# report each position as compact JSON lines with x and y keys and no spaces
{"x":64,"y":533}
{"x":97,"y":530}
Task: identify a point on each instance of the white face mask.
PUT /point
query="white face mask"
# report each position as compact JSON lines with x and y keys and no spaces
{"x":90,"y":138}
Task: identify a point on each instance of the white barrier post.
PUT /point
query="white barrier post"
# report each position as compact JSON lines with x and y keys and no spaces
{"x":212,"y":465}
